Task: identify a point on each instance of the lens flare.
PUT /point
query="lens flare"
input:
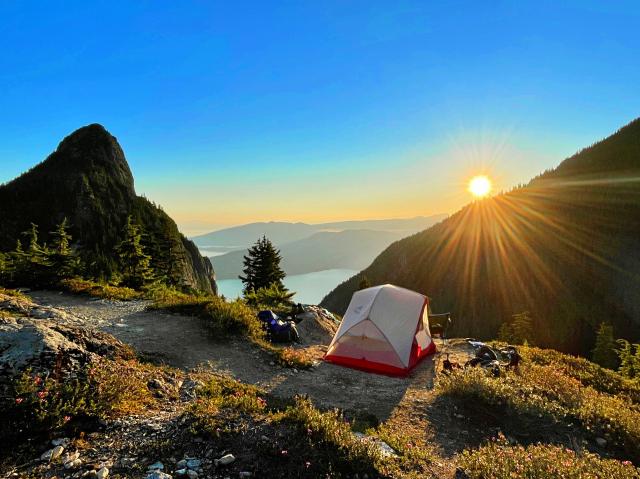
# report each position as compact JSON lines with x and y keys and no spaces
{"x":479,"y":186}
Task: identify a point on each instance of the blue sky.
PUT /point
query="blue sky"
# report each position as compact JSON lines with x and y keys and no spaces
{"x":231,"y":112}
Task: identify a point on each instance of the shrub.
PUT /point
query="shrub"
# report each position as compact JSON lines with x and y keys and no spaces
{"x":588,"y":373}
{"x":498,"y":460}
{"x":222,"y":317}
{"x":104,"y":389}
{"x":290,"y":357}
{"x":330,"y":428}
{"x":546,"y":391}
{"x":223,"y":394}
{"x":100,"y":290}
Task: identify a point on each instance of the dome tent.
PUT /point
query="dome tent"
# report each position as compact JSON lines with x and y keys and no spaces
{"x":385,"y":330}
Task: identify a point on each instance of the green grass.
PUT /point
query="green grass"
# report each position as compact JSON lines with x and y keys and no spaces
{"x":499,"y":460}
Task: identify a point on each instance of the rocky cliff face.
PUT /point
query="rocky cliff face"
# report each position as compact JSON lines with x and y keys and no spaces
{"x":88,"y":181}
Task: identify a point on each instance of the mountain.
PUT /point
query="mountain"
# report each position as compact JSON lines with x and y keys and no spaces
{"x":351,"y":249}
{"x":88,"y":181}
{"x":565,"y":247}
{"x":283,"y":232}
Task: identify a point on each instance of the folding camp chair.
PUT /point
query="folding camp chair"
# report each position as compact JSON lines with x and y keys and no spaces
{"x":439,"y":324}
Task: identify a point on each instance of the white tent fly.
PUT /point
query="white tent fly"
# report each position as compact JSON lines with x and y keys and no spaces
{"x":385,"y":330}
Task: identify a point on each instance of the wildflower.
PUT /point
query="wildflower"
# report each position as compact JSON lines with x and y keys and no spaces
{"x":284,"y":452}
{"x":309,"y":432}
{"x":19,"y":400}
{"x":626,"y":463}
{"x":37,"y":380}
{"x":42,"y":394}
{"x":307,"y":464}
{"x":67,"y":418}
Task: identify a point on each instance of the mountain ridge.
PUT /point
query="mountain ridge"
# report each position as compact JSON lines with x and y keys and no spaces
{"x":563,"y":247}
{"x":88,"y":181}
{"x":280,"y":232}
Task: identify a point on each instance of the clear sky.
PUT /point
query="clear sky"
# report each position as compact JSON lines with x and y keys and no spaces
{"x":232,"y":112}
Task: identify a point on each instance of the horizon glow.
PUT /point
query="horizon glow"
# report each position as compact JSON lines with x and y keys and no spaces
{"x":235,"y":113}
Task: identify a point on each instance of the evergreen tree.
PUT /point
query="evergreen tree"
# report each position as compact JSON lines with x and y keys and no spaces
{"x":262,"y":267}
{"x":364,"y":283}
{"x":171,"y":258}
{"x":133,"y":260}
{"x":604,"y":352}
{"x":627,"y":359}
{"x":519,"y":330}
{"x":273,"y":297}
{"x":33,"y":267}
{"x":523,"y":330}
{"x":63,"y":261}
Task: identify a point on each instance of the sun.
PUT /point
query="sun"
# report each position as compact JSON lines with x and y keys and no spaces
{"x":479,"y":186}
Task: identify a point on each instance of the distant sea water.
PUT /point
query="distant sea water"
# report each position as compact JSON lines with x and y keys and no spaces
{"x":310,"y":288}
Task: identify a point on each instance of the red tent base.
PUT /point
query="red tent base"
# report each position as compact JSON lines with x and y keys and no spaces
{"x":417,"y":355}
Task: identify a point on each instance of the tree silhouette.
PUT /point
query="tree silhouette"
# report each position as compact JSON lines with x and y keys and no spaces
{"x":262,"y":267}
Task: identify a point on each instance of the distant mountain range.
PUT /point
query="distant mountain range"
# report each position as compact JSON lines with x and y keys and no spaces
{"x":307,"y":248}
{"x":565,"y":247}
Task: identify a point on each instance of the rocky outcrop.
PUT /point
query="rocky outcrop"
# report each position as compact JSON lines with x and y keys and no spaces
{"x":29,"y":342}
{"x":88,"y":181}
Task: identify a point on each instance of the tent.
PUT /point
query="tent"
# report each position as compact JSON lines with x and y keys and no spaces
{"x":385,"y":330}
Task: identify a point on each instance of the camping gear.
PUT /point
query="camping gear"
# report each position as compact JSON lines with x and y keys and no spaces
{"x":493,"y":360}
{"x":278,"y":331}
{"x":438,"y":324}
{"x":385,"y":330}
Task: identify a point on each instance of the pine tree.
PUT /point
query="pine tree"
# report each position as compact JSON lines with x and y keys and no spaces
{"x":262,"y":267}
{"x":627,"y":359}
{"x":604,"y":352}
{"x":63,"y":261}
{"x":133,"y":260}
{"x":364,"y":283}
{"x":523,"y":330}
{"x":34,"y":267}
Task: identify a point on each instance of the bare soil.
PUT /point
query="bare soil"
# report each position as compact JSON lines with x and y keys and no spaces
{"x":183,"y":342}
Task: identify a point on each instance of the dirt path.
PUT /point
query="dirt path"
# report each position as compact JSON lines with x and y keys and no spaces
{"x":183,"y":342}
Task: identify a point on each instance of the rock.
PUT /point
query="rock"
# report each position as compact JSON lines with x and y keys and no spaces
{"x":181,"y":472}
{"x":182,"y":464}
{"x":70,"y":457}
{"x":194,"y":463}
{"x":156,"y":466}
{"x":158,"y":475}
{"x":73,"y":464}
{"x":103,"y":473}
{"x":224,"y":460}
{"x":192,"y":474}
{"x":52,"y":454}
{"x":60,"y":441}
{"x":245,"y":474}
{"x":600,"y":441}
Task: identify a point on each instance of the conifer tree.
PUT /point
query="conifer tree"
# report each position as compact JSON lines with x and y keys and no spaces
{"x":364,"y":283}
{"x":604,"y":352}
{"x":63,"y":261}
{"x":133,"y":260}
{"x":262,"y":267}
{"x":627,"y":359}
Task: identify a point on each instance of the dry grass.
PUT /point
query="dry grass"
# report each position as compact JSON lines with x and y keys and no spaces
{"x":99,"y":290}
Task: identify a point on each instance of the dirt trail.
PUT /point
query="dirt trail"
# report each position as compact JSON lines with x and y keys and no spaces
{"x":183,"y":342}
